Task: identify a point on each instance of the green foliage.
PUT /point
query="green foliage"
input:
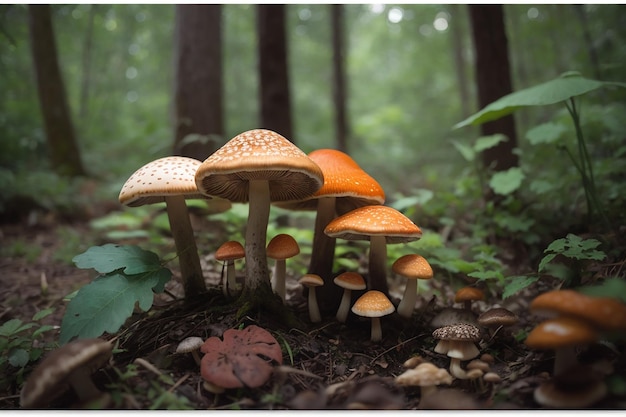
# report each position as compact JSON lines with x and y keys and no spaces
{"x":612,"y":287}
{"x":573,"y":247}
{"x":129,"y":276}
{"x":21,"y":345}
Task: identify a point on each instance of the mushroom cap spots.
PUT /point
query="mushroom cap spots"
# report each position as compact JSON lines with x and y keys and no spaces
{"x":259,"y":154}
{"x":150,"y":184}
{"x":469,"y":294}
{"x":51,"y":377}
{"x":373,"y":304}
{"x":457,"y":341}
{"x":282,"y":246}
{"x":413,"y":266}
{"x":230,"y":251}
{"x":497,"y":316}
{"x":425,"y":374}
{"x":560,"y":332}
{"x":604,"y":312}
{"x":311,"y":280}
{"x":361,"y":223}
{"x":350,"y":281}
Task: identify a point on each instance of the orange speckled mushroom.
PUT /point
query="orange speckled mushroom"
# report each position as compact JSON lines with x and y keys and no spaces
{"x":413,"y":267}
{"x":373,"y":304}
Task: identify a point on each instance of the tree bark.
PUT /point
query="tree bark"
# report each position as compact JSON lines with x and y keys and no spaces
{"x":199,"y":80}
{"x":273,"y":70}
{"x":339,"y":78}
{"x":493,"y":79}
{"x":61,"y":137}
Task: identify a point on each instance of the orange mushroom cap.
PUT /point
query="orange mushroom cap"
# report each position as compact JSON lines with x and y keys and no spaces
{"x":469,"y":294}
{"x":229,"y":251}
{"x":413,"y":266}
{"x":282,"y":246}
{"x":560,"y":332}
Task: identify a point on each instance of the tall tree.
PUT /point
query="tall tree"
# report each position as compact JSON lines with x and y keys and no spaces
{"x":61,"y":137}
{"x":458,"y":49}
{"x":199,"y":80}
{"x":339,"y":77}
{"x":273,"y":70}
{"x":493,"y":79}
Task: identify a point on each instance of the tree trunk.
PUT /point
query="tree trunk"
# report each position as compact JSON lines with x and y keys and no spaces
{"x":62,"y":145}
{"x":493,"y":78}
{"x":199,"y":91}
{"x":86,"y":65}
{"x":339,"y":78}
{"x":460,"y":64}
{"x":273,"y":70}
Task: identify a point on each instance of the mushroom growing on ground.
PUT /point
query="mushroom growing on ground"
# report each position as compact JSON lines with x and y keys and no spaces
{"x":427,"y":376}
{"x":457,"y":342}
{"x":191,"y":345}
{"x":172,"y":180}
{"x":466,"y":295}
{"x":380,"y":225}
{"x":70,"y":365}
{"x":578,"y":387}
{"x":496,"y":318}
{"x":311,"y":281}
{"x":229,"y":252}
{"x":373,"y":304}
{"x":413,"y":267}
{"x":258,"y":166}
{"x":281,"y":248}
{"x":349,"y":281}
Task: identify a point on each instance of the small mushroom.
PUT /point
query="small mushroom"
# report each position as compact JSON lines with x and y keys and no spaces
{"x":413,"y":267}
{"x":496,"y":318}
{"x":191,"y":345}
{"x":349,"y":281}
{"x":229,"y":252}
{"x":68,"y":366}
{"x":466,"y":295}
{"x":457,"y":342}
{"x":373,"y":304}
{"x":281,"y":248}
{"x":311,"y":281}
{"x":427,"y":376}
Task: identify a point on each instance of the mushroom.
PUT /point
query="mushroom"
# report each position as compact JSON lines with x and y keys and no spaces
{"x":466,"y":295}
{"x":496,"y":318}
{"x":413,"y":267}
{"x":229,"y":252}
{"x":427,"y":376}
{"x":373,"y":304}
{"x":258,"y":166}
{"x":346,"y":187}
{"x":457,"y":342}
{"x":380,"y":225}
{"x":68,"y":366}
{"x":311,"y":281}
{"x":281,"y":248}
{"x":349,"y":281}
{"x":172,"y":180}
{"x":578,"y":387}
{"x":191,"y":345}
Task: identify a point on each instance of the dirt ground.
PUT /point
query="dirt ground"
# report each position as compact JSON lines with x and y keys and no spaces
{"x":326,"y":365}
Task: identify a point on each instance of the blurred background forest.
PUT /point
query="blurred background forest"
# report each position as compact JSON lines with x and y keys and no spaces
{"x":410,"y":76}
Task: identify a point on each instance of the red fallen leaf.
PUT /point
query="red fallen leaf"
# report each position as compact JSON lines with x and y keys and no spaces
{"x":243,"y":358}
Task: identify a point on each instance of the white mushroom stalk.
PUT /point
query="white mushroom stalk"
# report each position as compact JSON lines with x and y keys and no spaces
{"x":257,"y":271}
{"x":407,"y":304}
{"x":344,"y":306}
{"x":314,"y":310}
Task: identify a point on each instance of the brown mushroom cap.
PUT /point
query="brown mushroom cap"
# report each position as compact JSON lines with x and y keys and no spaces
{"x":550,"y":395}
{"x":350,"y":281}
{"x":560,"y":332}
{"x":413,"y":266}
{"x":311,"y":280}
{"x":230,"y":251}
{"x":497,"y":316}
{"x":469,"y":294}
{"x":373,"y":304}
{"x":282,"y":246}
{"x":55,"y":373}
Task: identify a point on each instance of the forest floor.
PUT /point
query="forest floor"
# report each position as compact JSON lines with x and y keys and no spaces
{"x":327,"y":365}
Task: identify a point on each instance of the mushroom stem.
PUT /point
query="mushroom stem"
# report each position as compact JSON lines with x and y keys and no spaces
{"x":314,"y":310}
{"x":83,"y":385}
{"x":564,"y":359}
{"x":280,"y":270}
{"x":456,"y":370}
{"x":407,"y":304}
{"x":230,"y":283}
{"x":378,"y":264}
{"x":257,"y":272}
{"x":377,"y":331}
{"x":323,"y":253}
{"x":189,"y":261}
{"x":344,"y":306}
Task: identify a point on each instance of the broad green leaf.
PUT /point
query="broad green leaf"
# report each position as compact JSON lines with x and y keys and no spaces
{"x":488,"y":274}
{"x":545,"y":133}
{"x":106,"y":303}
{"x":42,"y":313}
{"x":506,"y":182}
{"x":545,"y":261}
{"x":107,"y":258}
{"x":18,"y":358}
{"x":487,"y":142}
{"x":517,"y":283}
{"x":466,"y":151}
{"x":554,"y":91}
{"x":13,"y":327}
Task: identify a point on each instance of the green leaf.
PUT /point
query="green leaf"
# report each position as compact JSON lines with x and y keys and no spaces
{"x":106,"y":303}
{"x":130,"y":259}
{"x":545,"y":133}
{"x":487,"y":142}
{"x":13,"y":327}
{"x":18,"y":358}
{"x":488,"y":274}
{"x":506,"y":182}
{"x":43,"y":313}
{"x":545,"y":261}
{"x":515,"y":284}
{"x":468,"y":153}
{"x":560,"y":89}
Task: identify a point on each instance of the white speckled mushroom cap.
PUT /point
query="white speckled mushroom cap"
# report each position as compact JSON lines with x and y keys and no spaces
{"x":172,"y":175}
{"x":264,"y":155}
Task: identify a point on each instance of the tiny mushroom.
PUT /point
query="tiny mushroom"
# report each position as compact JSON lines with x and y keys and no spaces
{"x":229,"y":252}
{"x":381,"y":225}
{"x":496,"y":318}
{"x":427,"y":376}
{"x":466,"y":295}
{"x":191,"y":345}
{"x":373,"y":304}
{"x":172,"y":180}
{"x":457,"y":342}
{"x":70,"y":365}
{"x":413,"y":267}
{"x":349,"y":281}
{"x":311,"y":281}
{"x":281,"y":248}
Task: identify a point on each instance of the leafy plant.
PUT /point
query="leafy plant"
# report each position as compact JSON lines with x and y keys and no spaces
{"x":129,"y":276}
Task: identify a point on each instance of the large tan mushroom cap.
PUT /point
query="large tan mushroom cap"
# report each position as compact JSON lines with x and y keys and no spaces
{"x":361,"y":223}
{"x":373,"y":304}
{"x":560,"y":332}
{"x":350,"y":281}
{"x":150,"y":184}
{"x":259,"y":154}
{"x":413,"y":266}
